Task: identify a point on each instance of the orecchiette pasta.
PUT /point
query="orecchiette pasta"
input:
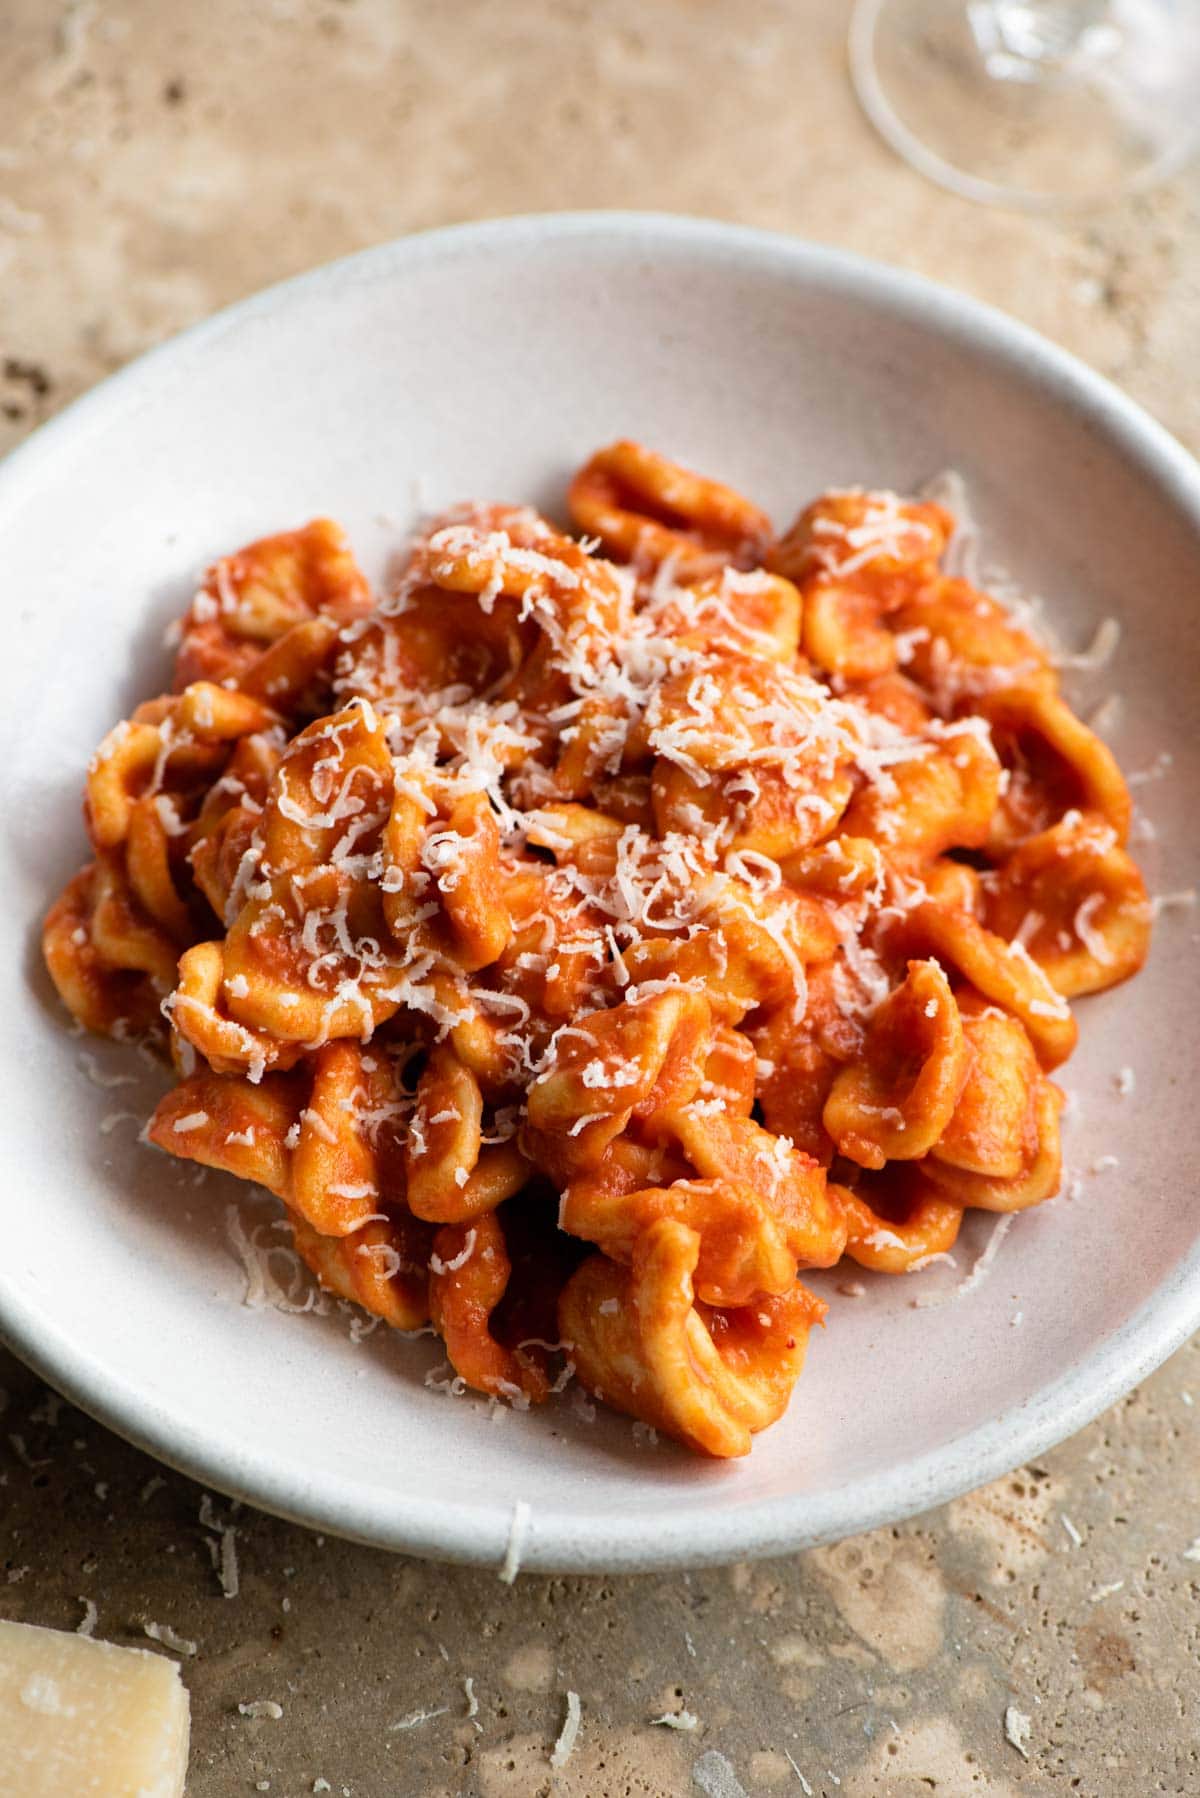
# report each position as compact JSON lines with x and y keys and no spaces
{"x":587,"y":935}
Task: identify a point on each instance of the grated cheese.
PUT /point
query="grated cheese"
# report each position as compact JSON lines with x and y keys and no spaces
{"x":195,"y":1120}
{"x":416,"y":1718}
{"x":517,"y":1532}
{"x":98,"y":1077}
{"x":565,"y":1745}
{"x":804,"y":1785}
{"x":162,"y":1632}
{"x":1100,"y":650}
{"x":1016,"y":1729}
{"x":438,"y":1266}
{"x":929,"y":1300}
{"x":1101,"y":1592}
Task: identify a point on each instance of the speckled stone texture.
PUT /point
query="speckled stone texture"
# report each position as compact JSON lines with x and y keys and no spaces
{"x":158,"y":160}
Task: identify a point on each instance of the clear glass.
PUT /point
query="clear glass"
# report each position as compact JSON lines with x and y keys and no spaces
{"x":1037,"y":103}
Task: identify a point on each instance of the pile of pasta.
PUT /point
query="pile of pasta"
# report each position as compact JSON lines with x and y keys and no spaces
{"x":590,"y":933}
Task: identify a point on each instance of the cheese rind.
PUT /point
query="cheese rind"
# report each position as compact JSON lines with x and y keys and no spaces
{"x":89,"y":1718}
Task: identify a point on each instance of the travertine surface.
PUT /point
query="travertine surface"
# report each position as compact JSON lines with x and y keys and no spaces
{"x":158,"y":160}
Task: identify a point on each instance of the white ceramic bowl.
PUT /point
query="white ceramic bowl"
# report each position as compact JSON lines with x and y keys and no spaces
{"x":488,"y":361}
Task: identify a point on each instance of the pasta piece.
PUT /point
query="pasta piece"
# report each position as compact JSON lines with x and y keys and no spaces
{"x":894,"y":1104}
{"x":308,"y":958}
{"x":470,"y":1272}
{"x":123,"y":934}
{"x":451,"y":1177}
{"x":739,"y":743}
{"x":222,"y":838}
{"x":330,"y":794}
{"x":348,"y":1158}
{"x":742,"y":1247}
{"x":110,"y":999}
{"x":1002,"y":972}
{"x":731,"y":613}
{"x":993,"y":1122}
{"x":1055,"y":765}
{"x":250,"y":600}
{"x":640,"y":1055}
{"x":1077,"y":903}
{"x":177,"y":743}
{"x":1040,"y":1172}
{"x":856,"y":534}
{"x":789,"y":1184}
{"x":959,"y":645}
{"x":708,"y":1377}
{"x":912,"y":1225}
{"x":200,"y":1022}
{"x":381,"y":1266}
{"x":647,"y":510}
{"x":856,"y":557}
{"x":224,"y":1122}
{"x":943,"y":798}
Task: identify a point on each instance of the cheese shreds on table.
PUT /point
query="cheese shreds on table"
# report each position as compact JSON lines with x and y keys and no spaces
{"x":262,"y":1707}
{"x":1016,"y":1729}
{"x":1106,"y":1591}
{"x":415,"y":1719}
{"x":564,"y":1748}
{"x":170,"y":1638}
{"x":87,"y":1718}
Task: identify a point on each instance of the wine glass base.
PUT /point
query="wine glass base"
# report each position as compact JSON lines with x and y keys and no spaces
{"x":1110,"y":109}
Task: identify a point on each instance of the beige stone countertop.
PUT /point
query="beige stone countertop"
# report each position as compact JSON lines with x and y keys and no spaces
{"x":159,"y":159}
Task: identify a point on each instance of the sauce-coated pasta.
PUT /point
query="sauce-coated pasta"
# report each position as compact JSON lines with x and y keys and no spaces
{"x":589,"y":934}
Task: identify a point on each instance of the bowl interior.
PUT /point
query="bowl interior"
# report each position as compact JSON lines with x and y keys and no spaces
{"x":487,"y":363}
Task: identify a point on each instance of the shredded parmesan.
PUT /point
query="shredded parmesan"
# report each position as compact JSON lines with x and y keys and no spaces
{"x":929,"y":1300}
{"x":416,"y":1718}
{"x":1100,"y":650}
{"x":1016,"y":1729}
{"x":565,"y":1745}
{"x":517,"y":1532}
{"x":1107,"y":1591}
{"x":162,"y":1632}
{"x":98,"y":1077}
